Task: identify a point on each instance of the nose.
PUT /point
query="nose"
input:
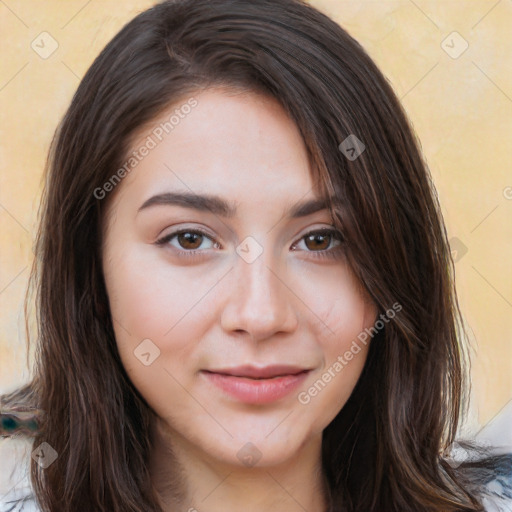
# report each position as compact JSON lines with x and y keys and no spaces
{"x":260,"y":302}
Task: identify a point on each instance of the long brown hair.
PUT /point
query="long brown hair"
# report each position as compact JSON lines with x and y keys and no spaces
{"x":385,"y":450}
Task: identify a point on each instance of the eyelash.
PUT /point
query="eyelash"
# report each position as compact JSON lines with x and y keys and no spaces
{"x":195,"y":253}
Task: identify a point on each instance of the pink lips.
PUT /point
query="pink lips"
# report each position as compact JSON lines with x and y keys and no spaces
{"x":254,"y":385}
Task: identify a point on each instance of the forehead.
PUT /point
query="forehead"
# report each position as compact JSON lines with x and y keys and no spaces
{"x":237,"y":144}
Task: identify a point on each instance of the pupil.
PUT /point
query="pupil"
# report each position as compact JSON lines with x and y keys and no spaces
{"x":190,"y":238}
{"x":317,"y":240}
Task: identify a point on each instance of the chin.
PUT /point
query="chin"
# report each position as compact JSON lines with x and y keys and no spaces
{"x":256,"y":451}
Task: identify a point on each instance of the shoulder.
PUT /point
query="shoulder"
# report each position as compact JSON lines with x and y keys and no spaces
{"x":497,"y":490}
{"x":488,"y":474}
{"x":16,"y":493}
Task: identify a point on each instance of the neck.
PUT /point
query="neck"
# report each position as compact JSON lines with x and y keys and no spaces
{"x":189,"y":480}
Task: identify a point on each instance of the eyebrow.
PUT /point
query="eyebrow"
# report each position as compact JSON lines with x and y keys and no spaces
{"x":219,"y":206}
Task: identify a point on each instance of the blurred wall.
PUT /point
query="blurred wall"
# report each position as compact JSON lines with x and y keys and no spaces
{"x":448,"y":61}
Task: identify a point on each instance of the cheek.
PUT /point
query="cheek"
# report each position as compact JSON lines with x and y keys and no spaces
{"x":139,"y":299}
{"x":341,"y":308}
{"x":162,"y":311}
{"x":153,"y":330}
{"x":150,"y":298}
{"x":344,"y":311}
{"x":143,"y":310}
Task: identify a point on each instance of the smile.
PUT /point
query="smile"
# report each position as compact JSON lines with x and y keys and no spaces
{"x":256,"y":389}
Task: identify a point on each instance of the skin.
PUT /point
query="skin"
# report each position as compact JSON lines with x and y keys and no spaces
{"x":216,"y":310}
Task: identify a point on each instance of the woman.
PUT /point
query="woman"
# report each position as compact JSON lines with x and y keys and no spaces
{"x":245,"y":293}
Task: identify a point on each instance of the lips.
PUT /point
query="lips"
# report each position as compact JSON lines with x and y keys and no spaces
{"x":253,"y":372}
{"x":253,"y":385}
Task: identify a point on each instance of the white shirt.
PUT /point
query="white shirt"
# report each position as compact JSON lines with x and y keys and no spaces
{"x":16,"y":493}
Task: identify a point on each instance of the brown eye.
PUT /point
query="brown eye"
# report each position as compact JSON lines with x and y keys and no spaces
{"x":190,"y":239}
{"x":323,"y":243}
{"x":320,"y":241}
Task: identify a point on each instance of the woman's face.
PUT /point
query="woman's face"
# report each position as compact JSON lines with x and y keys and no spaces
{"x":235,"y":330}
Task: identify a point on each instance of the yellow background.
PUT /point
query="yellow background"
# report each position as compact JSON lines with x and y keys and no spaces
{"x":461,"y":109}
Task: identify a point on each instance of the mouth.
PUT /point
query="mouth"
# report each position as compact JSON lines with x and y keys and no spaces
{"x":253,"y":385}
{"x":266,"y":372}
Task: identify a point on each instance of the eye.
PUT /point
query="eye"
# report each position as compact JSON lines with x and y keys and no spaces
{"x":322,"y":240}
{"x":321,"y":243}
{"x":188,"y":239}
